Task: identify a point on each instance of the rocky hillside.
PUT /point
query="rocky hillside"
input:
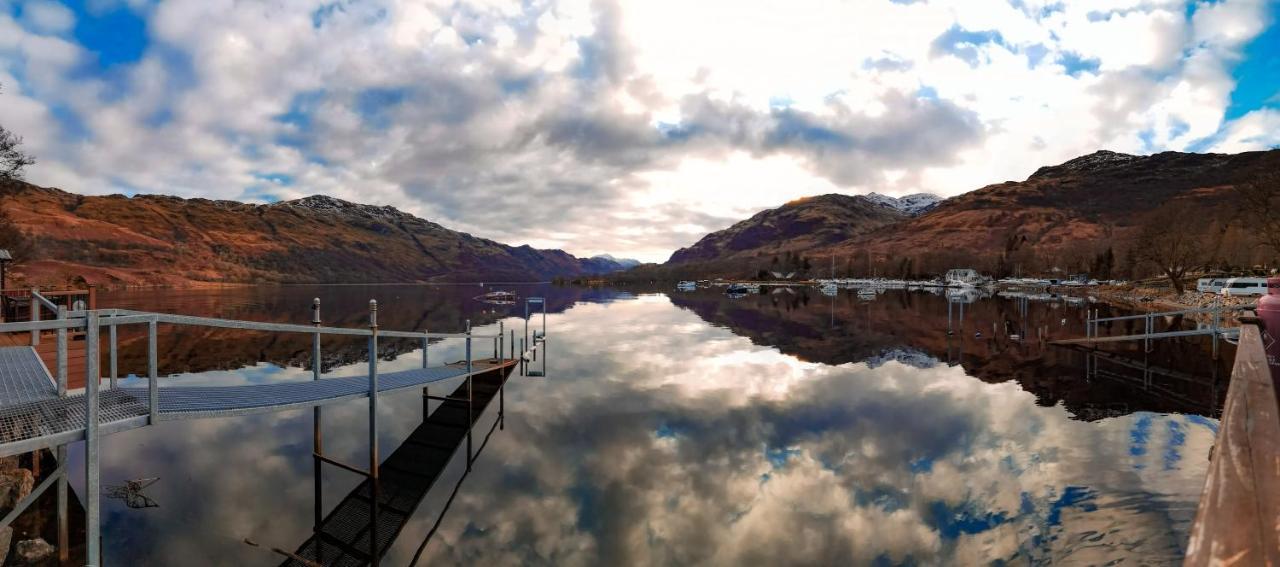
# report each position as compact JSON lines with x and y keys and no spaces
{"x":1067,"y":216}
{"x":152,"y":239}
{"x":799,"y":226}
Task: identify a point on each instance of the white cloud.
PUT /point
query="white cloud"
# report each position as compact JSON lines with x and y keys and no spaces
{"x":506,"y":119}
{"x":1257,"y":130}
{"x":48,"y":17}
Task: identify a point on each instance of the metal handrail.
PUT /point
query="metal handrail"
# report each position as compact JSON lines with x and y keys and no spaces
{"x":51,"y":306}
{"x":1179,"y":312}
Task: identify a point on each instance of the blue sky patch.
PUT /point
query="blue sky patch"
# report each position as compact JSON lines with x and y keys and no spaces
{"x":964,"y":43}
{"x":116,"y":35}
{"x":1258,"y":75}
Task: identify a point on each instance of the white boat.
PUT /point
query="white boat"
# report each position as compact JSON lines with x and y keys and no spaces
{"x":687,"y":286}
{"x":965,"y":277}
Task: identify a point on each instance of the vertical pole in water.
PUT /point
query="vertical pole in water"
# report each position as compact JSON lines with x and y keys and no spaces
{"x":426,"y":393}
{"x":153,"y":373}
{"x":111,"y":333}
{"x":469,"y":418}
{"x":502,"y":375}
{"x":317,"y":442}
{"x":91,"y":528}
{"x":373,"y":431}
{"x":62,"y":355}
{"x":1216,"y":313}
{"x":64,"y":528}
{"x":1146,"y":332}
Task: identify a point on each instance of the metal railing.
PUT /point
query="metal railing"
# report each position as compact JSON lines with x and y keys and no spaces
{"x":1149,"y":332}
{"x":91,"y":321}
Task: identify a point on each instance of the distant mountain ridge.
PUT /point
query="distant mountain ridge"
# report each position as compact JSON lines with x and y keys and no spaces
{"x":162,"y":240}
{"x":801,"y":225}
{"x":1082,"y":215}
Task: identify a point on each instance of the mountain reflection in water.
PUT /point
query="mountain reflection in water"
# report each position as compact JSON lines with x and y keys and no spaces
{"x":788,"y":428}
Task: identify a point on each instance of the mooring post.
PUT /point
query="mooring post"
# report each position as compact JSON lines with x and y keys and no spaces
{"x":62,"y":354}
{"x":153,"y":373}
{"x":111,"y":356}
{"x":35,"y":316}
{"x":92,"y":491}
{"x":469,"y":418}
{"x":426,"y":391}
{"x":317,"y":441}
{"x":373,"y":431}
{"x":1216,"y":313}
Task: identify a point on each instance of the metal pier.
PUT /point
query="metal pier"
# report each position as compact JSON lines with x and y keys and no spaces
{"x":36,"y":411}
{"x":1149,"y":332}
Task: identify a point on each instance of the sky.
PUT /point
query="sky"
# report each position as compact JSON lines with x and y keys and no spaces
{"x":629,"y":128}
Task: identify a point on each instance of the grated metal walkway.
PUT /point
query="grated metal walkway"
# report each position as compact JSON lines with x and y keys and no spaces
{"x":23,"y":377}
{"x":49,"y":421}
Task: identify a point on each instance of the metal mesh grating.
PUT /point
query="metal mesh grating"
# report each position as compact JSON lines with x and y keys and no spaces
{"x":23,"y":378}
{"x":32,"y":420}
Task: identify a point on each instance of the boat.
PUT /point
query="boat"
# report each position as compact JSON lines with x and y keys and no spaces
{"x":737,"y":288}
{"x":829,"y":288}
{"x":687,"y":285}
{"x":965,"y":277}
{"x":499,"y":297}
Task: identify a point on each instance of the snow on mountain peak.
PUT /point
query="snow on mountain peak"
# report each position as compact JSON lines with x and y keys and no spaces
{"x":912,"y":205}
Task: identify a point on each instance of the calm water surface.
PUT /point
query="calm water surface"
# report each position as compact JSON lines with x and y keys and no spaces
{"x":689,"y":428}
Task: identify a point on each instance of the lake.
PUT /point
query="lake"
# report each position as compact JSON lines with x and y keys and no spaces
{"x":786,"y":427}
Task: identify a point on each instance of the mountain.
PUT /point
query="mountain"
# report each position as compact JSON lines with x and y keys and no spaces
{"x":160,"y":240}
{"x":910,"y":205}
{"x":605,"y":264}
{"x":1083,"y":215}
{"x":799,"y":226}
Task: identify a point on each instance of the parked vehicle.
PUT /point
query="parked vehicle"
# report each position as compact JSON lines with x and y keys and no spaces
{"x":1245,"y":287}
{"x":1210,"y":285}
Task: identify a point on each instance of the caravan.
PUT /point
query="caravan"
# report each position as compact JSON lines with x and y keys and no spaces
{"x":1244,"y":287}
{"x":1210,"y":285}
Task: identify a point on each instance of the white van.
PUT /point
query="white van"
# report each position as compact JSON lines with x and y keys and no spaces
{"x":1210,"y":285}
{"x":1242,"y":287}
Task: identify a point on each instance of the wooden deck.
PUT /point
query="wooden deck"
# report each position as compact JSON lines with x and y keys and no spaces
{"x":1238,"y":520}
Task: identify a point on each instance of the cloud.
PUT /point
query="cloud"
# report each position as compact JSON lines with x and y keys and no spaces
{"x":549,"y":123}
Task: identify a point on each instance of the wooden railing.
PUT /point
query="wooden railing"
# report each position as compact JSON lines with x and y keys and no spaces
{"x":1238,"y":520}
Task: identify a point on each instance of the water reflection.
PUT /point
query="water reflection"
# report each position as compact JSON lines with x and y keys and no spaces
{"x":781,"y":429}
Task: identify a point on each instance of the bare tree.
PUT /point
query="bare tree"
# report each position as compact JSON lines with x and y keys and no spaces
{"x":1259,"y":200}
{"x":12,"y":160}
{"x":1166,"y":242}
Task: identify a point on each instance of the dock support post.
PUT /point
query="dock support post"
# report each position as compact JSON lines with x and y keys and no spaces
{"x":64,"y":528}
{"x":35,"y":316}
{"x":317,"y":440}
{"x":426,"y":393}
{"x":469,"y":417}
{"x":373,"y":431}
{"x":62,"y":355}
{"x":91,"y":489}
{"x":111,"y":333}
{"x":502,"y":376}
{"x":153,"y":373}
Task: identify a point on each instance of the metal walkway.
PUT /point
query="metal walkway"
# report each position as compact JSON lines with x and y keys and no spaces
{"x":405,"y":479}
{"x":37,"y":411}
{"x":23,"y":377}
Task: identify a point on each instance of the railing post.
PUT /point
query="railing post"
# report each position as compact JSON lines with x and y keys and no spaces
{"x":62,"y":354}
{"x":317,"y":442}
{"x":111,"y":333}
{"x":426,"y":390}
{"x":92,"y":491}
{"x":373,"y":431}
{"x":153,"y":372}
{"x":469,"y":417}
{"x":35,"y":316}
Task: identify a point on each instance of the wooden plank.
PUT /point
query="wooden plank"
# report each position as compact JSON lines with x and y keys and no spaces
{"x":1238,"y":519}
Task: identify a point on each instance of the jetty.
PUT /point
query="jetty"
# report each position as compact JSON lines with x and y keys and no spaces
{"x":1237,"y":521}
{"x":39,"y":409}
